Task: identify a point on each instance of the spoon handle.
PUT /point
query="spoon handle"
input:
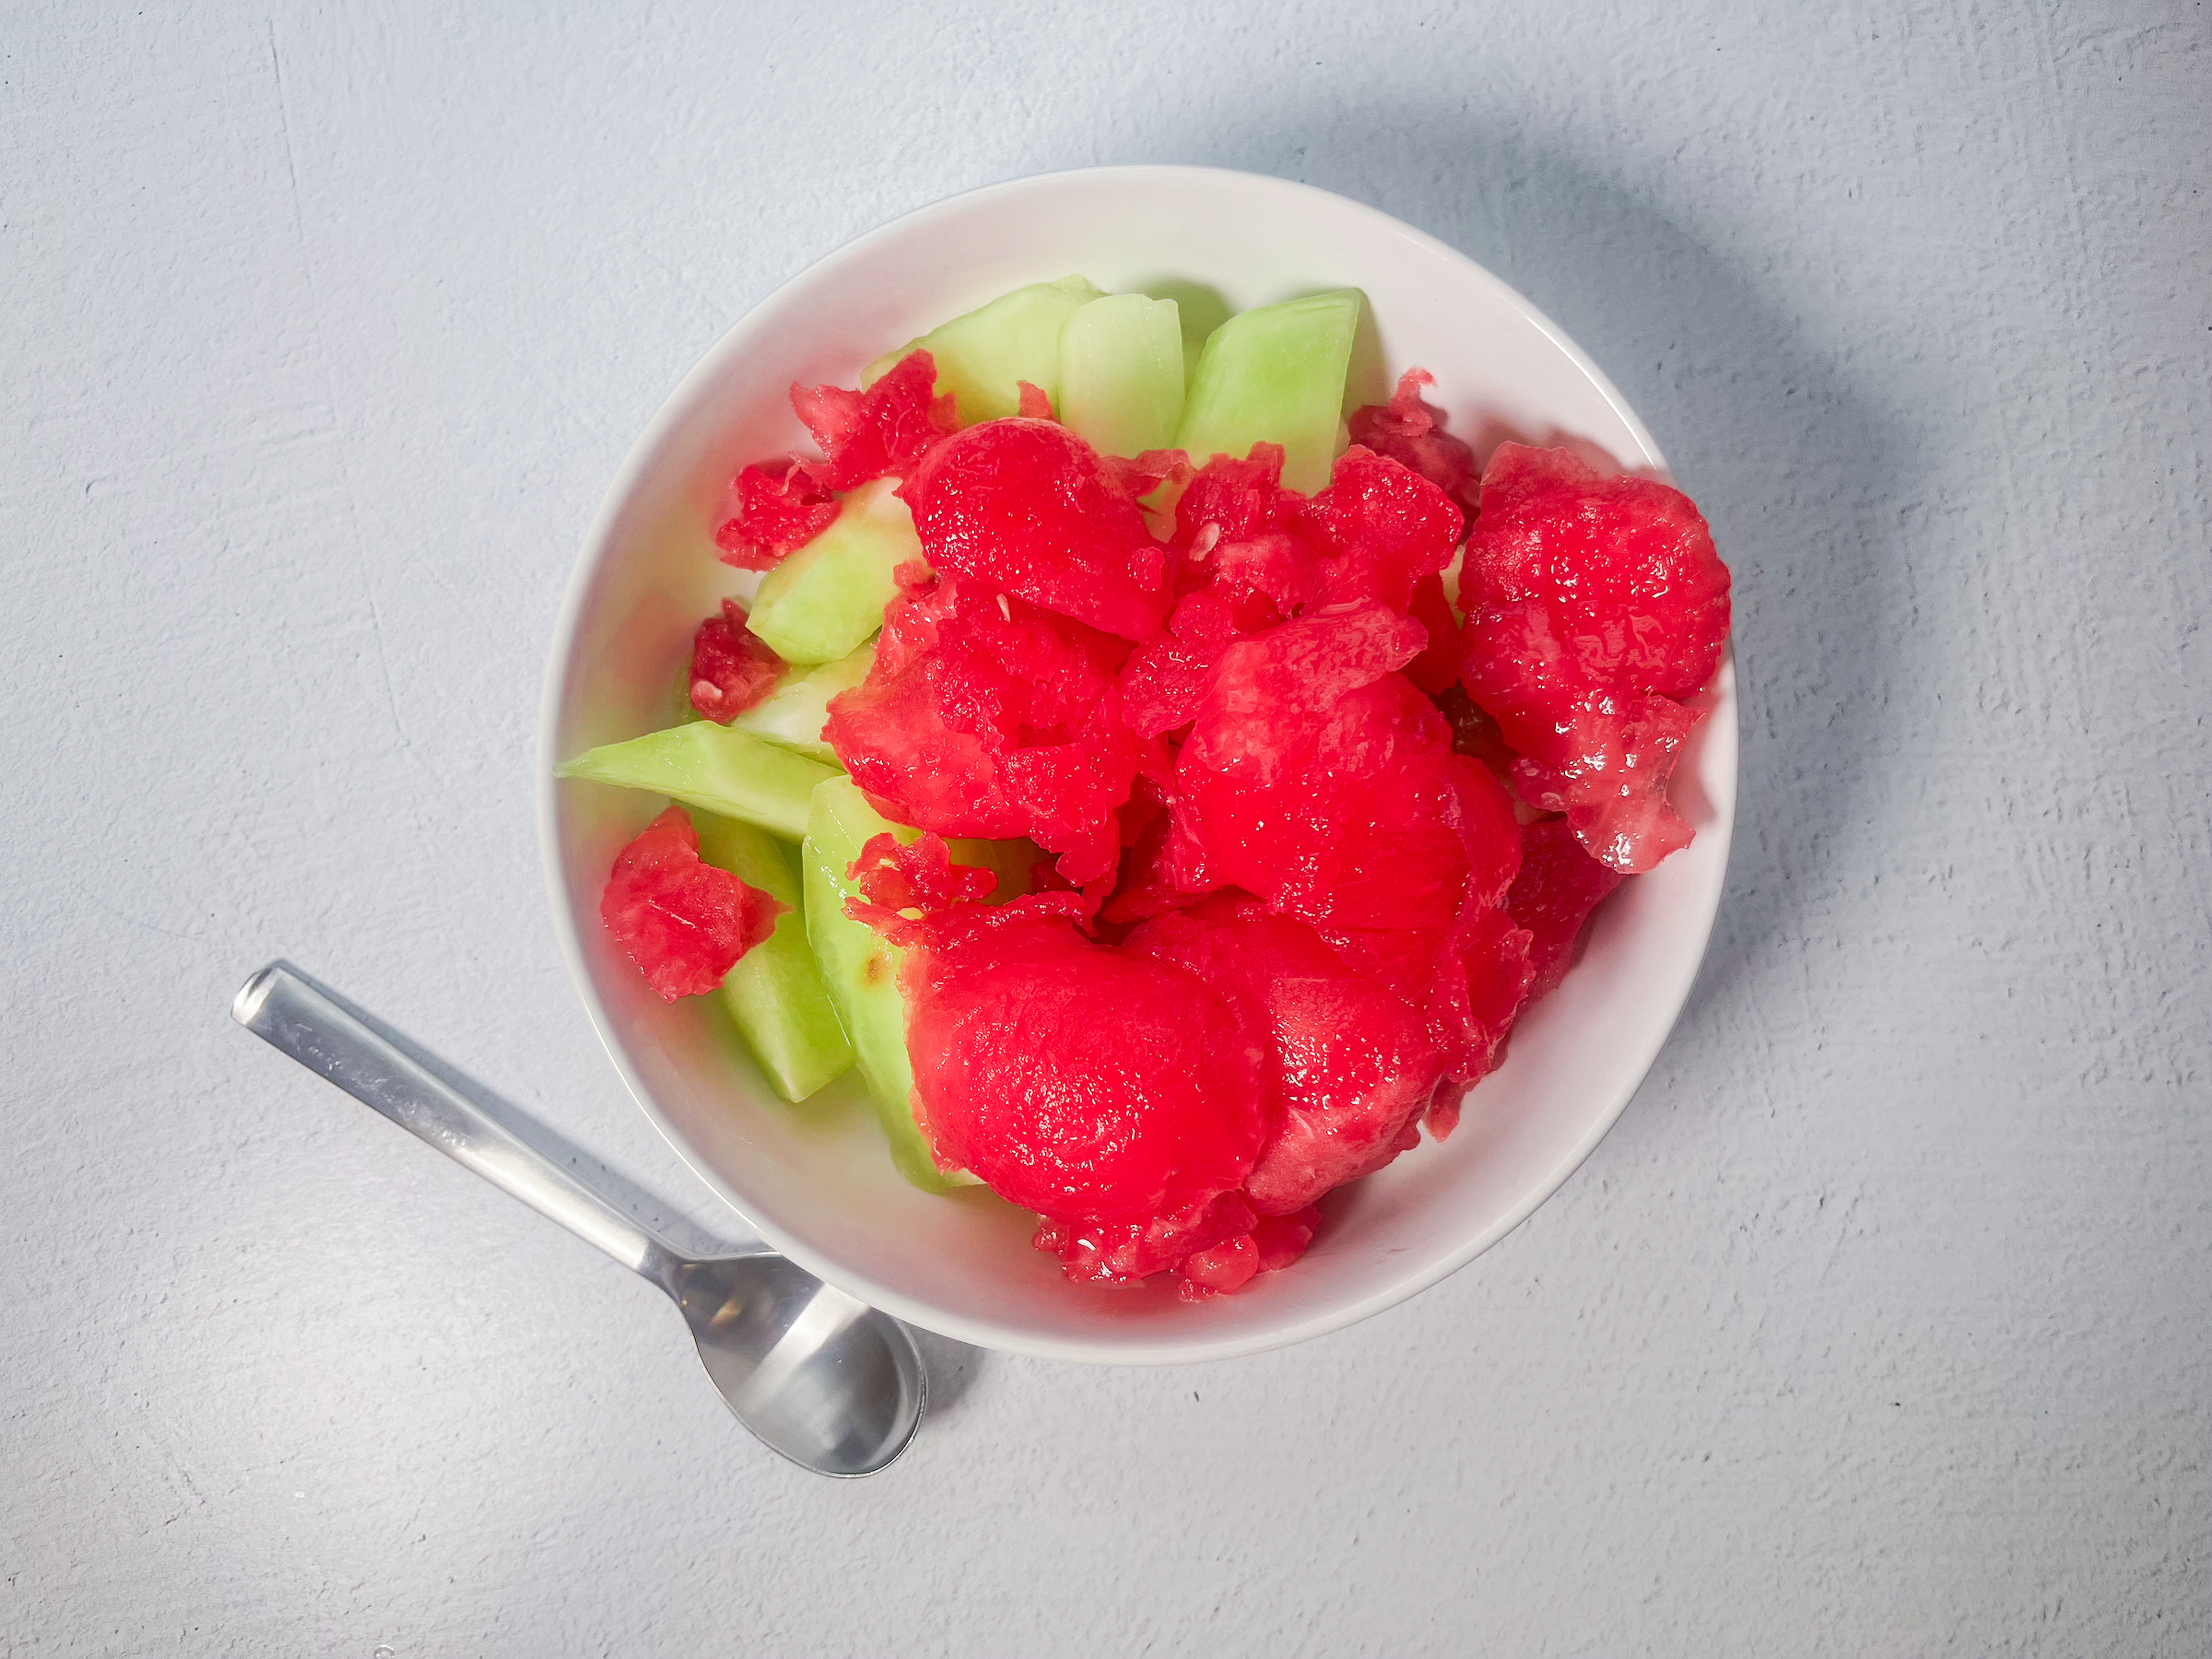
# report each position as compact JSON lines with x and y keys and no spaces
{"x":292,"y":1014}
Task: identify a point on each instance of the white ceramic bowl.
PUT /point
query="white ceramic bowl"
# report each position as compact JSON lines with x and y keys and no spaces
{"x":814,"y":1179}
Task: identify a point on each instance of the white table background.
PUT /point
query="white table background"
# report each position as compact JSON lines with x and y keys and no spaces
{"x":1878,"y":1325}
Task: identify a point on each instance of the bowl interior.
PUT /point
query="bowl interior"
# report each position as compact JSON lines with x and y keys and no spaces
{"x":814,"y":1179}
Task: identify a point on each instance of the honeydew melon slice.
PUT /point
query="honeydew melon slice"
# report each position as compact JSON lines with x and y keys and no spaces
{"x":775,"y":995}
{"x":1275,"y":374}
{"x":713,"y":767}
{"x":860,"y":969}
{"x":980,"y":355}
{"x":826,"y":600}
{"x":1120,"y":374}
{"x":794,"y":713}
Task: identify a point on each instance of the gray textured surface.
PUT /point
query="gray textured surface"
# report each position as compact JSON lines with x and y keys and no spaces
{"x":1878,"y":1325}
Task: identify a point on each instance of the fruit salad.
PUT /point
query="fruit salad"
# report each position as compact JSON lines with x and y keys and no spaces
{"x":1165,"y":789}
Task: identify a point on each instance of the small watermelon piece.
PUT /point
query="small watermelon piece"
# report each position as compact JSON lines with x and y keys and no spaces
{"x":1624,"y":567}
{"x":770,"y":511}
{"x":1412,"y":431}
{"x":1224,"y":1267}
{"x":1553,"y":897}
{"x":1027,"y":507}
{"x":871,"y":434}
{"x":731,"y":668}
{"x":685,"y":923}
{"x":1235,"y":499}
{"x":1281,"y":1239}
{"x":1382,"y":527}
{"x":1270,"y":696}
{"x":985,"y":715}
{"x":1357,"y":828}
{"x":1480,"y":982}
{"x":1073,"y":1115}
{"x":1353,"y":1066}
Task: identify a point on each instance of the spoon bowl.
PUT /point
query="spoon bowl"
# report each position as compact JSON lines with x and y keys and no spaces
{"x":817,"y":1375}
{"x":824,"y":1380}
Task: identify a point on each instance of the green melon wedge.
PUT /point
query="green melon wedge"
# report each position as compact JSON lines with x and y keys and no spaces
{"x":1275,"y":374}
{"x":860,"y":970}
{"x":980,"y":356}
{"x":1120,"y":374}
{"x":775,"y":995}
{"x":794,"y":713}
{"x":714,"y":767}
{"x":826,"y":600}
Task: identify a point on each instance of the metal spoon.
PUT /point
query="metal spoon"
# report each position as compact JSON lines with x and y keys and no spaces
{"x":824,"y":1380}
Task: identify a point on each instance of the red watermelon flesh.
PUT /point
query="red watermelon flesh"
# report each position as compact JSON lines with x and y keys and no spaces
{"x":1355,"y":828}
{"x":1121,"y":1253}
{"x":1437,"y":668}
{"x":1624,"y":567}
{"x":1269,"y":696}
{"x":1592,"y":603}
{"x":1021,"y":1078}
{"x":770,"y":511}
{"x":1353,"y":1065}
{"x":883,"y":431}
{"x":731,"y":668}
{"x":986,"y":715}
{"x":1026,"y":506}
{"x":1558,"y":887}
{"x":683,"y":923}
{"x":1232,"y":499}
{"x":1380,"y":527}
{"x":1412,"y":432}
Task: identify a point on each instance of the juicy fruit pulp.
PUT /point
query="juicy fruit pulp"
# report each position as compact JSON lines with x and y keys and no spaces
{"x":1593,"y":605}
{"x":1291,"y":910}
{"x":685,"y":923}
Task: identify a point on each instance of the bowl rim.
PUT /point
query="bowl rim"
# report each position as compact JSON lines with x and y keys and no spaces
{"x":592,"y":552}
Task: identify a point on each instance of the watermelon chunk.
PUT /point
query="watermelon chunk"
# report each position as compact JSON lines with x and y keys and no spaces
{"x":685,"y":923}
{"x":770,"y":511}
{"x":1412,"y":431}
{"x":985,"y":715}
{"x":1027,"y":507}
{"x":1593,"y":605}
{"x":1382,"y":527}
{"x":731,"y":669}
{"x":1353,"y":1066}
{"x":1558,"y":887}
{"x":1077,"y":1117}
{"x":866,"y":435}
